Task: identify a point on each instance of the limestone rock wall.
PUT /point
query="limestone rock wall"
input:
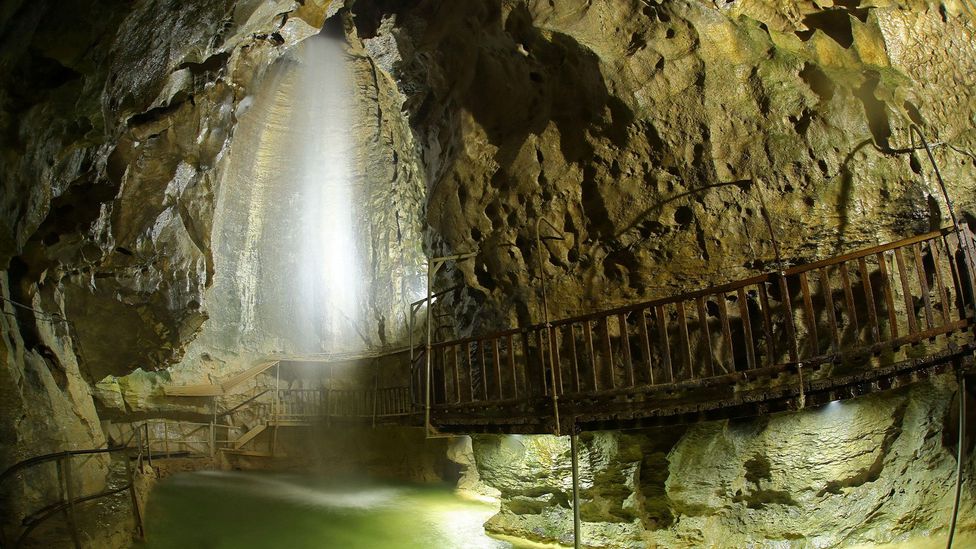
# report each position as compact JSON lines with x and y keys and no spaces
{"x":114,"y":118}
{"x":872,"y":470}
{"x":652,"y":134}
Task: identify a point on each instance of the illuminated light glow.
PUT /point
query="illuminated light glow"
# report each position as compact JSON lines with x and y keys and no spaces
{"x":328,"y":274}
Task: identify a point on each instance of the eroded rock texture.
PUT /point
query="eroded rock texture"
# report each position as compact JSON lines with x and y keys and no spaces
{"x":115,"y":116}
{"x":867,"y":471}
{"x":650,"y":134}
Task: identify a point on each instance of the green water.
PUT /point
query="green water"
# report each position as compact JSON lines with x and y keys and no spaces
{"x":244,"y":510}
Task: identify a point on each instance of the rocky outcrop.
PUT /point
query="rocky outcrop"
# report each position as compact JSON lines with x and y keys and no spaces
{"x":115,"y":117}
{"x":872,"y":470}
{"x":656,"y":138}
{"x":653,"y":136}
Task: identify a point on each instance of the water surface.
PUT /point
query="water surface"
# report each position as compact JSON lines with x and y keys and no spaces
{"x":262,"y":510}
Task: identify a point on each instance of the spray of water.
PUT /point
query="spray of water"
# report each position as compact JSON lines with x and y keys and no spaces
{"x":328,"y":277}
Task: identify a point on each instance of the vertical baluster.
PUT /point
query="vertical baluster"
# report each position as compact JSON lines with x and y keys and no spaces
{"x":723,"y":314}
{"x":556,"y":361}
{"x":684,"y":337}
{"x":588,"y":329}
{"x":455,"y":352}
{"x":966,"y":244}
{"x":784,"y":289}
{"x":625,"y":343}
{"x":542,"y":361}
{"x":767,"y":324}
{"x":746,"y":328}
{"x":443,"y":354}
{"x":498,"y":368}
{"x":924,"y":284}
{"x":845,"y":279}
{"x":574,"y":354}
{"x":662,"y":327}
{"x":704,"y":333}
{"x":646,"y":345}
{"x":810,"y":315}
{"x":906,"y":291}
{"x":483,"y":368}
{"x":888,"y":295}
{"x":471,"y":380}
{"x":957,"y":279}
{"x":939,"y":280}
{"x":511,"y":365}
{"x":607,"y":351}
{"x":862,"y":266}
{"x":828,"y":296}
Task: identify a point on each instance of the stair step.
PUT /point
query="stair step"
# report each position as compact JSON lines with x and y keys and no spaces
{"x":248,"y":436}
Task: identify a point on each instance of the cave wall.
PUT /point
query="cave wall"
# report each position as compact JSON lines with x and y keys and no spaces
{"x":872,"y":470}
{"x":114,"y":118}
{"x":651,"y":135}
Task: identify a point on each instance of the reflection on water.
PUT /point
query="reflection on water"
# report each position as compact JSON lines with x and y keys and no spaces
{"x":242,"y":510}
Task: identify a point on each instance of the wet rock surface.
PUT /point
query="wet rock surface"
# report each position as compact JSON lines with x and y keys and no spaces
{"x":654,"y":136}
{"x":872,"y":470}
{"x":114,"y":118}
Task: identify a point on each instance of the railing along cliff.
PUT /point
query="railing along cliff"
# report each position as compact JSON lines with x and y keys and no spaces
{"x":854,"y":311}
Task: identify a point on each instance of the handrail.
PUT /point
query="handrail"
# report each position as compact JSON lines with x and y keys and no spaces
{"x":29,"y":462}
{"x":786,"y":319}
{"x":720,"y":288}
{"x":242,"y":404}
{"x":31,"y":521}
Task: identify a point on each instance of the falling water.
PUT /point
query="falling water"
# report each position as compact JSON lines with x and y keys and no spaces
{"x":288,"y":233}
{"x":328,"y":277}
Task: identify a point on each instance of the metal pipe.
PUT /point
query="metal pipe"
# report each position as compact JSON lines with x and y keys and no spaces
{"x":938,"y":174}
{"x":574,"y":449}
{"x":69,"y":490}
{"x":136,"y":514}
{"x":960,"y":455}
{"x":545,"y":311}
{"x":431,"y":269}
{"x":769,"y":224}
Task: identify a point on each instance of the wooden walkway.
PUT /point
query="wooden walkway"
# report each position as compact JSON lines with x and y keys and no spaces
{"x":836,"y":328}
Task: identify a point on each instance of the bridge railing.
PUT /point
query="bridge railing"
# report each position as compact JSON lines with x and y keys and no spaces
{"x":871,"y":301}
{"x":306,"y":404}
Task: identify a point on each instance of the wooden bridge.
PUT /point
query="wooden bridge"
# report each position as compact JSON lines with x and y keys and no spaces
{"x":837,"y":328}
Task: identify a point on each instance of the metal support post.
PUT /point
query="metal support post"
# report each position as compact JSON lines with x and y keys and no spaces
{"x":960,"y":452}
{"x":433,"y":265}
{"x":376,"y":386}
{"x":550,"y":332}
{"x":213,"y":429}
{"x":136,"y":513}
{"x":574,"y":450}
{"x":64,"y":464}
